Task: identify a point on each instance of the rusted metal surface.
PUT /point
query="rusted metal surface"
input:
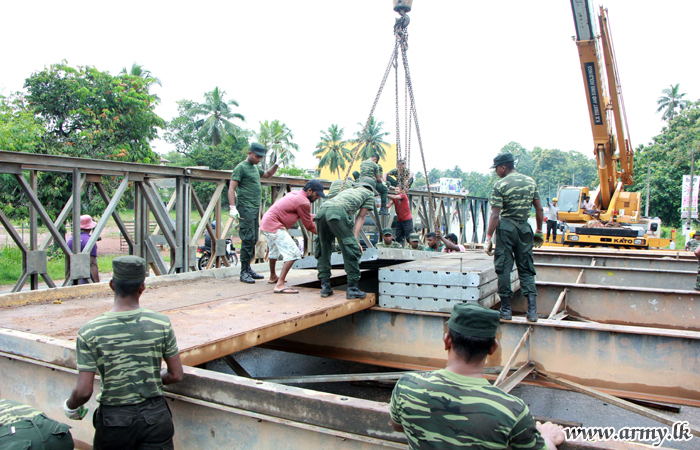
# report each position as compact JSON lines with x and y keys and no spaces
{"x":638,"y":362}
{"x":638,"y":260}
{"x":617,"y":276}
{"x":662,"y":308}
{"x":212,"y":317}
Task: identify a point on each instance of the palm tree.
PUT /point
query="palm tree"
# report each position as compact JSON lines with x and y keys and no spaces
{"x":373,"y":141}
{"x":218,"y":113}
{"x":277,"y":137}
{"x":671,"y":100}
{"x":332,"y":147}
{"x":138,"y":70}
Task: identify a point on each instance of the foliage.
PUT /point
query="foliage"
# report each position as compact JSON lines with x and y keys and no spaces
{"x":373,"y":141}
{"x":216,"y":123}
{"x":92,"y":114}
{"x":669,"y":157}
{"x":20,"y":131}
{"x":669,"y":101}
{"x":293,"y":171}
{"x":277,"y":138}
{"x":332,"y":147}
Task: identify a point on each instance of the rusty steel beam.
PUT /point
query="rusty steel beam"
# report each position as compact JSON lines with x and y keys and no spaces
{"x":617,"y":276}
{"x":661,"y":308}
{"x":637,"y":362}
{"x":639,"y":260}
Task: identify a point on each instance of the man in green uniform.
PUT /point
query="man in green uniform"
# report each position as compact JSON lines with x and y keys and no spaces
{"x":456,"y":407}
{"x":26,"y":428}
{"x":693,"y":243}
{"x":336,"y":219}
{"x":414,"y":240}
{"x":388,"y":239}
{"x":127,"y":345}
{"x":513,"y":196}
{"x":397,"y":177}
{"x":337,"y":185}
{"x":370,"y":169}
{"x":244,"y":195}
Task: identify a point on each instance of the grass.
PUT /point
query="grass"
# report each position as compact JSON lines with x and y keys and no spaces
{"x":11,"y":265}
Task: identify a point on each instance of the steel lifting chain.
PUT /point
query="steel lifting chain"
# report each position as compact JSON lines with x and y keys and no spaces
{"x":356,"y":150}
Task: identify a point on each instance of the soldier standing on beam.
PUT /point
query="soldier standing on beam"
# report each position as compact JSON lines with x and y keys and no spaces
{"x":513,"y":196}
{"x":336,"y":219}
{"x":371,"y":169}
{"x":244,"y":195}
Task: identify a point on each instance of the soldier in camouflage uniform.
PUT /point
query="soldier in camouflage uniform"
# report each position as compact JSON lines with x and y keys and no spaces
{"x":26,"y":428}
{"x":398,"y":177}
{"x":388,"y":239}
{"x":126,"y":345}
{"x":414,"y":240}
{"x":336,"y":219}
{"x":337,"y":185}
{"x":371,"y":169}
{"x":692,"y":244}
{"x":513,"y":196}
{"x":456,"y":407}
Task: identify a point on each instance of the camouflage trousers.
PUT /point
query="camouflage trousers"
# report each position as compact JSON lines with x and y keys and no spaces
{"x":248,"y":231}
{"x":383,"y":192}
{"x":514,"y":243}
{"x":697,"y":281}
{"x":333,"y":223}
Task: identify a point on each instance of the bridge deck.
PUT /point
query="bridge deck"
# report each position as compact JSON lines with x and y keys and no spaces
{"x":212,"y":317}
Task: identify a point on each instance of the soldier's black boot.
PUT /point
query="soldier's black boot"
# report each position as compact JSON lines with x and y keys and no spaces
{"x":253,"y":274}
{"x":245,"y":275}
{"x":532,"y":308}
{"x":383,"y":211}
{"x":354,"y":292}
{"x":506,"y":313}
{"x":326,"y":290}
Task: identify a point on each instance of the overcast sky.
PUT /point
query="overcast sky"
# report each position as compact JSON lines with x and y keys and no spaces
{"x":484,"y":73}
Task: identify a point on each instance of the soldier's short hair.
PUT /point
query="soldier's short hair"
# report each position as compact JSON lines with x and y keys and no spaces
{"x":431,"y":235}
{"x":375,"y":155}
{"x":126,"y":288}
{"x":470,"y":348}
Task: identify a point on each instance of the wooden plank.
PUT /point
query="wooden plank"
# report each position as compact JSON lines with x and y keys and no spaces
{"x":511,"y":360}
{"x":645,"y":412}
{"x":509,"y":383}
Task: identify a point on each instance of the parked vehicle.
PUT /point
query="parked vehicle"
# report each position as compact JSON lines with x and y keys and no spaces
{"x":204,"y":255}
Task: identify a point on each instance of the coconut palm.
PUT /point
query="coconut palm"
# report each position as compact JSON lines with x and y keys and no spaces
{"x":332,"y":147}
{"x":373,"y":141}
{"x":218,"y":114}
{"x":277,"y":137}
{"x":671,"y":100}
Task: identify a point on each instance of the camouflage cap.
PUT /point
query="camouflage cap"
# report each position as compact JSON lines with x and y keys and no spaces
{"x":503,"y":158}
{"x":386,"y":231}
{"x":367,"y":182}
{"x":474,"y":320}
{"x":257,"y":148}
{"x":129,"y":268}
{"x":414,"y":237}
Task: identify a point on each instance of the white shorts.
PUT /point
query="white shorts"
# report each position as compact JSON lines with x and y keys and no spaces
{"x":281,"y":244}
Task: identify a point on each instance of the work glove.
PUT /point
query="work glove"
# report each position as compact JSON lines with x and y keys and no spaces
{"x":490,"y":245}
{"x":538,"y":240}
{"x":233,"y":212}
{"x":74,"y":414}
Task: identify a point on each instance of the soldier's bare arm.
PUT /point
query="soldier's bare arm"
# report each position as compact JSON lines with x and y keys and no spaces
{"x":94,"y":270}
{"x":493,"y":220}
{"x":359,"y":221}
{"x":83,"y":390}
{"x":271,"y":171}
{"x":539,"y":213}
{"x":233,"y":185}
{"x":173,"y":373}
{"x":396,"y":426}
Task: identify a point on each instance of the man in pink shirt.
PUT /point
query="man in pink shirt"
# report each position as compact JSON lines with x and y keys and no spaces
{"x":451,"y":243}
{"x":281,"y":216}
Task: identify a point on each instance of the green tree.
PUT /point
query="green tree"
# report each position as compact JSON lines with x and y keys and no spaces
{"x":293,"y":171}
{"x":373,"y":141}
{"x":332,"y":147}
{"x":138,"y":70}
{"x":524,"y":161}
{"x":670,"y":101}
{"x":218,"y":115}
{"x":418,"y":181}
{"x":278,"y":139}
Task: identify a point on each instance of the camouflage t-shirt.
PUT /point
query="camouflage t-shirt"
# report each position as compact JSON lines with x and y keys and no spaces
{"x":693,"y":244}
{"x":336,"y":185}
{"x":249,"y":191}
{"x":394,"y":244}
{"x":371,"y":169}
{"x":514,"y":194}
{"x":12,"y":411}
{"x":352,"y":200}
{"x":126,"y":348}
{"x":420,"y":248}
{"x":442,"y":409}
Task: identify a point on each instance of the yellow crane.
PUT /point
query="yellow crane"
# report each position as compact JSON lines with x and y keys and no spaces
{"x":612,"y":149}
